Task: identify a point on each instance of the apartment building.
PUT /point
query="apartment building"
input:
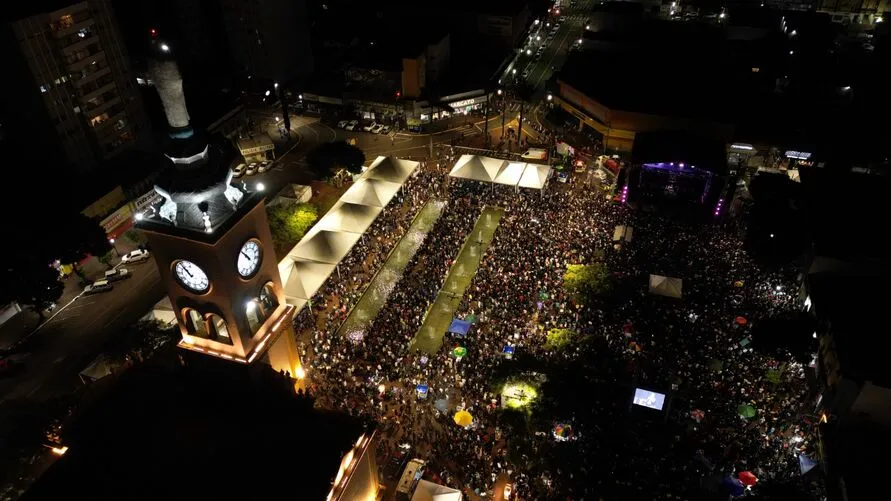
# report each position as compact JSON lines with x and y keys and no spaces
{"x":75,"y":60}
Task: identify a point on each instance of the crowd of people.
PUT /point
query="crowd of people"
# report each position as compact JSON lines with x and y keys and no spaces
{"x":693,"y":349}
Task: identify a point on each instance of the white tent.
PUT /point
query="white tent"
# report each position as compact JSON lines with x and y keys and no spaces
{"x":371,"y":192}
{"x":301,"y":279}
{"x":666,"y":286}
{"x":619,"y":233}
{"x":100,"y":367}
{"x":353,"y":218}
{"x":511,"y":174}
{"x":162,"y":312}
{"x":324,"y":246}
{"x":535,"y":176}
{"x":428,"y":491}
{"x":477,"y":168}
{"x":392,"y":169}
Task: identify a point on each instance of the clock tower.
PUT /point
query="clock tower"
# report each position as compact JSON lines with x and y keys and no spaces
{"x":211,"y":242}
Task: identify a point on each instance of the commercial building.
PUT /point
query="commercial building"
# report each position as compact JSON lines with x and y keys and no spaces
{"x":270,"y":39}
{"x":72,"y":80}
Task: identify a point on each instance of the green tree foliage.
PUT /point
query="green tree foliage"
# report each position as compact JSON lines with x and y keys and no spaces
{"x":289,"y":223}
{"x":31,"y":282}
{"x":325,"y":159}
{"x":79,"y":238}
{"x":558,"y":339}
{"x":585,"y":281}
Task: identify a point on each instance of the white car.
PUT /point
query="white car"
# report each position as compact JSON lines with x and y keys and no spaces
{"x":265,"y":165}
{"x":342,"y":124}
{"x":385,"y":129}
{"x":118,"y":274}
{"x":370,"y":126}
{"x":238,"y":171}
{"x":377,"y":128}
{"x":251,"y":169}
{"x":351,"y":125}
{"x":97,"y":287}
{"x":135,"y":256}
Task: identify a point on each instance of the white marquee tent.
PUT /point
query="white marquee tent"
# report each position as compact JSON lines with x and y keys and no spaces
{"x":494,"y":170}
{"x":352,"y":218}
{"x":301,"y":279}
{"x":324,"y":246}
{"x":535,"y":176}
{"x":428,"y":491}
{"x":372,"y":192}
{"x":392,"y":169}
{"x":666,"y":286}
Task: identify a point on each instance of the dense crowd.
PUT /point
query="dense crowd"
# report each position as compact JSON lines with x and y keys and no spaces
{"x":692,"y":349}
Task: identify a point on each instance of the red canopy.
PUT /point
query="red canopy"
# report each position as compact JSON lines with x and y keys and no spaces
{"x":748,"y":478}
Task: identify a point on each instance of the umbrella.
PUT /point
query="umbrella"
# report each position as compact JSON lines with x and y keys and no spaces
{"x":471,"y":318}
{"x":739,"y":283}
{"x":806,"y":464}
{"x":748,"y":478}
{"x":741,"y":321}
{"x":442,"y":405}
{"x":746,"y":411}
{"x":733,"y":486}
{"x":697,"y":414}
{"x":463,"y":418}
{"x":422,"y":390}
{"x":459,"y":351}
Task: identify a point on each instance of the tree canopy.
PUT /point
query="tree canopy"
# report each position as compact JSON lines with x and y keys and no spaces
{"x":288,"y":223}
{"x":327,"y":158}
{"x":585,"y":281}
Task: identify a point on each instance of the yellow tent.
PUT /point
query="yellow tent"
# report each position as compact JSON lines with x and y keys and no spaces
{"x":463,"y":418}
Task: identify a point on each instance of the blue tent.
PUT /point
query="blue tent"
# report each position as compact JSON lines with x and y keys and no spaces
{"x":805,"y":463}
{"x":733,"y":486}
{"x":508,"y":352}
{"x":459,"y":327}
{"x":422,"y":390}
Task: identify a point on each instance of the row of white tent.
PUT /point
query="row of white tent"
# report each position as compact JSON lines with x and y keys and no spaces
{"x":499,"y":171}
{"x":316,"y":256}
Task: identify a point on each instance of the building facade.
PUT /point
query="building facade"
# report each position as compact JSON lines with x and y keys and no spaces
{"x":269,"y":38}
{"x":78,"y":64}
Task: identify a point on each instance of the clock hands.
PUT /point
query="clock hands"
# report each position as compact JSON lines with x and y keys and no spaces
{"x":246,"y":254}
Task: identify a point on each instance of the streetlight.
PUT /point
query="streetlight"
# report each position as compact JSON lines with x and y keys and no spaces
{"x":499,"y":92}
{"x":514,"y":71}
{"x":277,"y":119}
{"x":528,"y":52}
{"x":846,"y":88}
{"x":300,"y":97}
{"x":268,"y":92}
{"x":587,"y":26}
{"x":139,"y":216}
{"x":793,"y":33}
{"x":537,"y":21}
{"x":878,"y":19}
{"x":276,"y":85}
{"x":550,"y":97}
{"x":791,"y":52}
{"x":261,"y":186}
{"x":580,"y":41}
{"x":165,"y":47}
{"x":538,"y":38}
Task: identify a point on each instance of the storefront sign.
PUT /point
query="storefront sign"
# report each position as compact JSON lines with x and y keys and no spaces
{"x":257,"y":149}
{"x":467,"y":102}
{"x":800,"y":155}
{"x":117,"y":218}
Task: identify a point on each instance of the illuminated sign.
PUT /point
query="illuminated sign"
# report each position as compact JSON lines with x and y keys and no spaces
{"x":467,"y":102}
{"x":800,"y":155}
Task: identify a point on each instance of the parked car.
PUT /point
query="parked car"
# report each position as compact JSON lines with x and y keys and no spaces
{"x":351,"y":125}
{"x":385,"y":129}
{"x":238,"y":171}
{"x":377,"y":128}
{"x":265,"y":165}
{"x":135,"y":256}
{"x":251,"y":169}
{"x":370,"y":126}
{"x":97,"y":287}
{"x":117,"y":274}
{"x":342,"y":124}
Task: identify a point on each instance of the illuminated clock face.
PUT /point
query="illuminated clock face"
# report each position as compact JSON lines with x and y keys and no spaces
{"x":249,"y":258}
{"x":191,"y":276}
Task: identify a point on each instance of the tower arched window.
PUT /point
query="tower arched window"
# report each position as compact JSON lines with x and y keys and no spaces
{"x":254,"y":315}
{"x":195,"y":324}
{"x":268,"y":299}
{"x":218,"y":328}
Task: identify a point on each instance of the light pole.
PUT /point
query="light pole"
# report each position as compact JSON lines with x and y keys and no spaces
{"x":114,"y":247}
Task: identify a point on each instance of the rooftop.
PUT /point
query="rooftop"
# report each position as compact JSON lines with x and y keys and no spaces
{"x":852,"y":297}
{"x":204,"y":431}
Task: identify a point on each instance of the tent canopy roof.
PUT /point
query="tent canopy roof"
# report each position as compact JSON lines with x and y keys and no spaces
{"x":349,"y":217}
{"x":666,"y":286}
{"x":511,"y":173}
{"x":392,"y":169}
{"x":535,"y":176}
{"x":324,"y":246}
{"x":495,"y":170}
{"x":301,"y":279}
{"x":371,"y":192}
{"x":428,"y":491}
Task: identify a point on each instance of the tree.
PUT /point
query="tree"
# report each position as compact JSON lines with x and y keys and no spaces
{"x":31,"y":282}
{"x":288,"y":223}
{"x":784,"y":336}
{"x":80,"y":237}
{"x":327,"y":158}
{"x":558,"y":339}
{"x":585,"y":281}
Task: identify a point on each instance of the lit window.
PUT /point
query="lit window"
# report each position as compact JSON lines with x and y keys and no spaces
{"x":268,"y":300}
{"x":219,"y":328}
{"x":253,"y":313}
{"x":65,"y":21}
{"x":195,"y":324}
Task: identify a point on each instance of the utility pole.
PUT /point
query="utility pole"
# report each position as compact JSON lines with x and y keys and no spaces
{"x":520,"y":127}
{"x":503,"y":115}
{"x":487,"y":119}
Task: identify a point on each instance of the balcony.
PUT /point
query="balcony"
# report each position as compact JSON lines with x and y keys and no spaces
{"x":80,"y":44}
{"x":74,"y":28}
{"x":103,"y":132}
{"x":99,"y":111}
{"x":83,"y":63}
{"x":98,"y":92}
{"x":91,"y":77}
